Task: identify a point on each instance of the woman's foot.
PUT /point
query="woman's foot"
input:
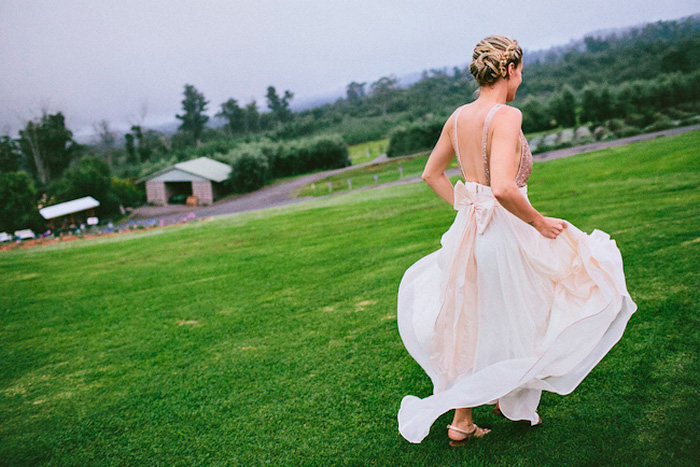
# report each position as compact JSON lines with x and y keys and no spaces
{"x":460,"y":434}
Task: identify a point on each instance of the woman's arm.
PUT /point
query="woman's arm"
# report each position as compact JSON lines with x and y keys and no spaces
{"x":440,"y":158}
{"x":504,"y":150}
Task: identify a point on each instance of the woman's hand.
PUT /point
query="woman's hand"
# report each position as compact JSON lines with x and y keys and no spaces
{"x":549,"y":227}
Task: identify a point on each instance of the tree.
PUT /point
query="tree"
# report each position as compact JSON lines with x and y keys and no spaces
{"x":590,"y":101}
{"x":143,"y":147}
{"x":48,"y":147}
{"x":106,"y":140}
{"x":563,"y":107}
{"x":10,"y":157}
{"x":234,"y":114}
{"x":18,"y":208}
{"x":131,"y":157}
{"x":383,"y":89}
{"x":251,"y":122}
{"x":279,"y":106}
{"x":594,"y":44}
{"x":193,"y":118}
{"x":355,"y":91}
{"x":535,"y":116}
{"x":91,"y":177}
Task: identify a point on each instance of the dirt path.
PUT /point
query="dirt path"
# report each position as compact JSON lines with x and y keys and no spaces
{"x":281,"y":194}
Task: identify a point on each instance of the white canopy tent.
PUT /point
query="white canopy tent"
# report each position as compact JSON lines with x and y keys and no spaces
{"x":69,"y":207}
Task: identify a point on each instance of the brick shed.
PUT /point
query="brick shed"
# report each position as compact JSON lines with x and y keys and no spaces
{"x":202,"y":177}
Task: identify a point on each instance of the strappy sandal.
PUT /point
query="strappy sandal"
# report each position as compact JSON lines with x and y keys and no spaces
{"x":477,"y":432}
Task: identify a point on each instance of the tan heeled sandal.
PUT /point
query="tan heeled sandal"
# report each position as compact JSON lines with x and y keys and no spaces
{"x":477,"y":432}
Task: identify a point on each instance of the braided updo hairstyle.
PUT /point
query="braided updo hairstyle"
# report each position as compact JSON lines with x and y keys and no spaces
{"x":491,"y":58}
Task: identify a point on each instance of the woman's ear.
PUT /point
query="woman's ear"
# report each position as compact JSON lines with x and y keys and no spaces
{"x":510,"y":70}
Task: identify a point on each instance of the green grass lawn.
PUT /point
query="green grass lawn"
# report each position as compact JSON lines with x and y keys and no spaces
{"x":358,"y":152}
{"x":270,"y":337}
{"x":364,"y":176}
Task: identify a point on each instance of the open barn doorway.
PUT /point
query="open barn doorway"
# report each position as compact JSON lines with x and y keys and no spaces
{"x":177,"y":192}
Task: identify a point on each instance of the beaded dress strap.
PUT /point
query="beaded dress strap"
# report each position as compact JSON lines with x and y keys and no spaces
{"x":459,"y":160}
{"x":483,"y":141}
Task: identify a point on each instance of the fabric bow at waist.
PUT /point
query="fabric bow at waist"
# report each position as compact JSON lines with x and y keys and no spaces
{"x":478,"y":207}
{"x":453,"y":342}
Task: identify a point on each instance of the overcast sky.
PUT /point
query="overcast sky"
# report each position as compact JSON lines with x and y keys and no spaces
{"x":120,"y":59}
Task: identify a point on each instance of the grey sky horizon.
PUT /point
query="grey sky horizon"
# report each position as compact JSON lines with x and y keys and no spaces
{"x":121,"y":61}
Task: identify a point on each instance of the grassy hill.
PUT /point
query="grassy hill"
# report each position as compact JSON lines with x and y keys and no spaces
{"x":270,"y":337}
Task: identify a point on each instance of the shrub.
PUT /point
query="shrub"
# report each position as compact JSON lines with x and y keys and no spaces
{"x":18,"y":209}
{"x":250,"y":170}
{"x":325,"y":152}
{"x":362,"y":129}
{"x":662,"y":122}
{"x":416,"y":137}
{"x":627,"y":131}
{"x":287,"y":158}
{"x":127,"y":193}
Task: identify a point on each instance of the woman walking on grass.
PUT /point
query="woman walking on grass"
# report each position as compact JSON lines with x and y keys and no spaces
{"x":514,"y":302}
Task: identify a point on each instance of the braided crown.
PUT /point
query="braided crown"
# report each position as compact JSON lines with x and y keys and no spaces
{"x":506,"y":57}
{"x":491,"y":58}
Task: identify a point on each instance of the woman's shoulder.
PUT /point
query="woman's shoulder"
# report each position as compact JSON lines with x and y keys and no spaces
{"x":507,"y":116}
{"x":455,"y":112}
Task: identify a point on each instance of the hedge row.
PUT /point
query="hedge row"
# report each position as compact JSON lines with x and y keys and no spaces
{"x":416,"y":137}
{"x":254,"y":164}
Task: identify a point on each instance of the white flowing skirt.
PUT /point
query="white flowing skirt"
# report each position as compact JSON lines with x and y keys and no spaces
{"x":501,"y":312}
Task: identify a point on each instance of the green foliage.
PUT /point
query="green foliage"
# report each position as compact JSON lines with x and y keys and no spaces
{"x":18,"y":207}
{"x":298,"y":156}
{"x":359,"y":152}
{"x":383,"y":92}
{"x":127,"y":193}
{"x":536,"y":116}
{"x":361,"y":129}
{"x":10,"y":155}
{"x":596,"y":103}
{"x":131,"y":156}
{"x":355,"y":91}
{"x":193,"y":117}
{"x":649,"y":51}
{"x":562,"y":107}
{"x":48,"y":147}
{"x":91,"y":177}
{"x":250,"y":170}
{"x":323,"y":152}
{"x":301,"y":126}
{"x":279,"y":105}
{"x":251,"y":121}
{"x":234,"y":115}
{"x":416,"y":137}
{"x":621,"y":129}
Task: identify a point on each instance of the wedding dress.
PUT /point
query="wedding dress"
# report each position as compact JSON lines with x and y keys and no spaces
{"x":500,"y":312}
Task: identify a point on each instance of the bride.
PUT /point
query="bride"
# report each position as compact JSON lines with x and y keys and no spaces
{"x":513,"y":302}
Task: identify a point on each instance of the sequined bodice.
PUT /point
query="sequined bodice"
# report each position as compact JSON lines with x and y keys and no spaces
{"x":525,"y":168}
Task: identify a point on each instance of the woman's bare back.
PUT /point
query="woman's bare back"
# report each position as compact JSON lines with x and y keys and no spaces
{"x":471,"y":135}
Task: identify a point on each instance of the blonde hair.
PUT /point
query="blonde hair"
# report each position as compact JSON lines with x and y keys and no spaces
{"x":491,"y":58}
